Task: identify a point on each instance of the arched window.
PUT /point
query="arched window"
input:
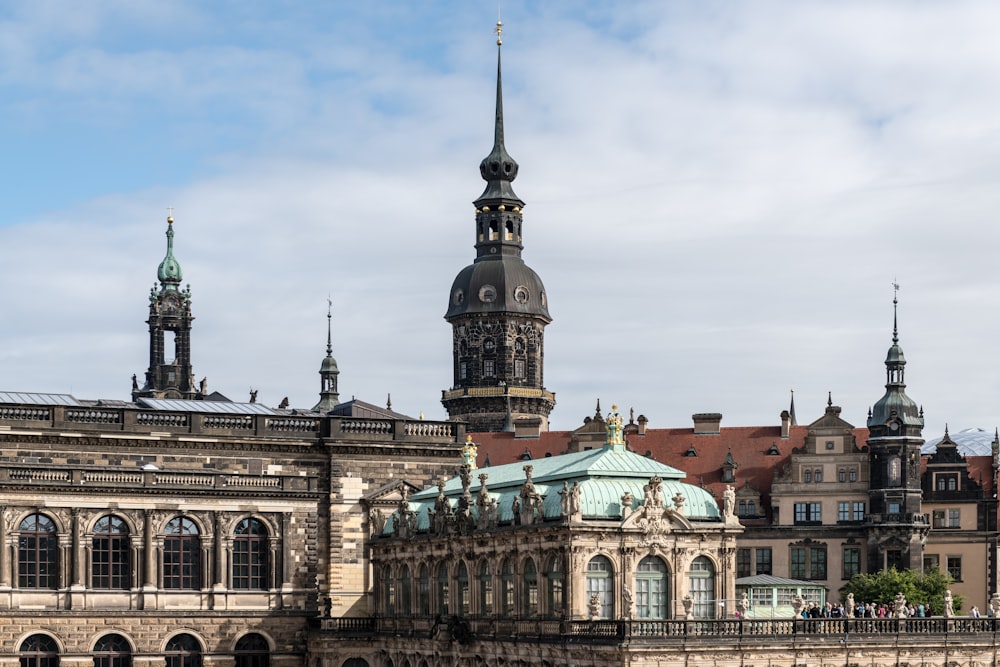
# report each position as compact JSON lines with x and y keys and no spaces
{"x":39,"y":651}
{"x":507,"y":589}
{"x":252,"y":650}
{"x":182,"y":558}
{"x":38,"y":553}
{"x":112,"y":651}
{"x":442,"y":589}
{"x":424,"y":590}
{"x":554,"y":587}
{"x":485,"y":589}
{"x":388,"y":592}
{"x":463,"y":590}
{"x":250,"y":554}
{"x":405,"y":590}
{"x":183,"y":651}
{"x":600,"y":582}
{"x":652,"y":588}
{"x":356,"y":662}
{"x":110,"y":551}
{"x":702,"y":582}
{"x":529,"y":591}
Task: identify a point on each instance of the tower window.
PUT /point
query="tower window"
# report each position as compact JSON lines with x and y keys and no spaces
{"x":519,"y":370}
{"x":463,"y":371}
{"x":489,"y":368}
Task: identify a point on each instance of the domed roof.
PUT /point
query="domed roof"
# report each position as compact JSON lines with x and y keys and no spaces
{"x":896,"y":403}
{"x":498,"y":285}
{"x":329,"y":365}
{"x":169,"y":271}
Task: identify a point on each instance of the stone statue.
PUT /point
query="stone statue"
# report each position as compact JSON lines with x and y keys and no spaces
{"x":728,"y":501}
{"x":469,"y":452}
{"x":995,"y":605}
{"x":743,"y":605}
{"x":797,"y":604}
{"x":574,"y":499}
{"x":653,"y":493}
{"x":899,"y":605}
{"x":627,"y":599}
{"x":849,"y":605}
{"x":135,"y":382}
{"x":253,"y":395}
{"x":594,"y":607}
{"x":627,"y":501}
{"x":614,"y":427}
{"x":688,"y":603}
{"x":203,"y":386}
{"x":949,"y":604}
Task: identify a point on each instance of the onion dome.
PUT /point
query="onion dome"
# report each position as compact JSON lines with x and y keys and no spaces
{"x":169,"y":271}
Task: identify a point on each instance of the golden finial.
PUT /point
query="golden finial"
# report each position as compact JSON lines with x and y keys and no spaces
{"x":170,"y":214}
{"x":499,"y":29}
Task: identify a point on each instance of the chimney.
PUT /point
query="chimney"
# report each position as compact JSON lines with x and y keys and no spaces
{"x":786,"y":423}
{"x":707,"y":423}
{"x":642,"y":424}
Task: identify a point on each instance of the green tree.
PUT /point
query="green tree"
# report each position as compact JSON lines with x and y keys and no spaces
{"x":925,"y":588}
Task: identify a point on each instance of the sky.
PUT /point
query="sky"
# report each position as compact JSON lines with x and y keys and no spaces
{"x":720,"y":196}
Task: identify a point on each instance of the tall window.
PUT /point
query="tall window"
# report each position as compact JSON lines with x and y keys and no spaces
{"x":388,"y":591}
{"x":894,"y":471}
{"x":554,"y":587}
{"x":38,"y":553}
{"x":763,"y":560}
{"x":182,"y":558}
{"x":250,"y":553}
{"x":530,"y":589}
{"x":600,"y":582}
{"x":424,"y":590}
{"x":485,"y":589}
{"x":702,"y":582}
{"x":852,"y":561}
{"x":858,"y":511}
{"x":252,"y":650}
{"x":808,"y":513}
{"x":442,"y":589}
{"x":808,"y":562}
{"x":405,"y":590}
{"x":39,"y":651}
{"x":183,"y":651}
{"x":462,"y":592}
{"x":507,"y":589}
{"x":955,"y":567}
{"x":110,"y":550}
{"x":651,"y":594}
{"x":743,"y":562}
{"x":112,"y":651}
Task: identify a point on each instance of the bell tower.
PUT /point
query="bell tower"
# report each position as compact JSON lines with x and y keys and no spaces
{"x":169,"y":333}
{"x":895,"y":525}
{"x":498,"y":308}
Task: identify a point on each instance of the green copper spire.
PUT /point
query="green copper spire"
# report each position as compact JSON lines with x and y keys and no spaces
{"x":169,"y":271}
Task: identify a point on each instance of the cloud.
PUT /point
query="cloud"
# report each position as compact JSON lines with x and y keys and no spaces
{"x":718,"y":199}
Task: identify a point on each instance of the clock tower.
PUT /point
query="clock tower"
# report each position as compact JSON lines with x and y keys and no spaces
{"x":498,"y":309}
{"x":169,"y":333}
{"x":895,"y":525}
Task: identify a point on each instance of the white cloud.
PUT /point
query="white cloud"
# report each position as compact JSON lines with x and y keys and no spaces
{"x":719,"y":196}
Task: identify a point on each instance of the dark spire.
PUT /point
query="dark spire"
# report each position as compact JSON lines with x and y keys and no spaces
{"x":498,"y":168}
{"x":791,"y":410}
{"x":895,"y":405}
{"x":328,"y":371}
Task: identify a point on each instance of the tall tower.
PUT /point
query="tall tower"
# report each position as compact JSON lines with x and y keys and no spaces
{"x":169,"y":331}
{"x":895,"y":525}
{"x":498,"y":309}
{"x":328,"y":371}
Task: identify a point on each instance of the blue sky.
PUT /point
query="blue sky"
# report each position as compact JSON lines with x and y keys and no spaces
{"x":719,"y":196}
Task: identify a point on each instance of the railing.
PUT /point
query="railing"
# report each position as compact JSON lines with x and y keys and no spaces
{"x":517,"y":392}
{"x":130,"y":420}
{"x":669,"y":631}
{"x":54,"y":476}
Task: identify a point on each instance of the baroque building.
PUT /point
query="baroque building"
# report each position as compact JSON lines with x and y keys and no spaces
{"x":184,"y":529}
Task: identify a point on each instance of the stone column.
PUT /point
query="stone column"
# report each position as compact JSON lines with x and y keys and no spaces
{"x":4,"y":550}
{"x":149,"y":573}
{"x":76,"y":566}
{"x":220,"y":553}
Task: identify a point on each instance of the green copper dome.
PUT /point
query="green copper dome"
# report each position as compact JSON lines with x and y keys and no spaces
{"x":169,"y":271}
